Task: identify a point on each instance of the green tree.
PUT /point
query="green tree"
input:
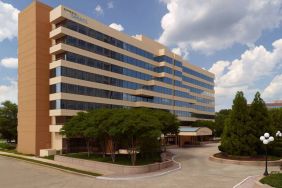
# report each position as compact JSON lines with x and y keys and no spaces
{"x":169,"y":122}
{"x":220,"y":118}
{"x":137,"y":125}
{"x":8,"y":121}
{"x":259,"y":124}
{"x":109,"y":121}
{"x":135,"y":128}
{"x":276,"y":123}
{"x":77,"y":127}
{"x":235,"y":137}
{"x":276,"y":118}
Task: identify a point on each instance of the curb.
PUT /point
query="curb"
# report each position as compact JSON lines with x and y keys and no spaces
{"x":247,"y":163}
{"x":142,"y":176}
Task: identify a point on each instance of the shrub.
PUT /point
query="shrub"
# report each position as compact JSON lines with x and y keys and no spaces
{"x":7,"y":146}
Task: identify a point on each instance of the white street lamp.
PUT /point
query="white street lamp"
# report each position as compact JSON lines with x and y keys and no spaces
{"x":266,"y":135}
{"x":271,"y":139}
{"x":266,"y":139}
{"x":279,"y":134}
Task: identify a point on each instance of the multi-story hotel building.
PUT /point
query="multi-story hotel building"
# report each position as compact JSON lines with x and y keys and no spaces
{"x":69,"y":63}
{"x":274,"y":105}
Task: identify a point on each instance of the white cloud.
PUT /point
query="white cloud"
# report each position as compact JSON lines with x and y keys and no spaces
{"x":9,"y":91}
{"x":254,"y":65}
{"x":99,"y":10}
{"x":219,"y":67}
{"x":181,"y":52}
{"x":9,"y":63}
{"x":116,"y":26}
{"x":8,"y":21}
{"x":110,"y":4}
{"x":274,"y":90}
{"x":210,"y":25}
{"x":177,"y":51}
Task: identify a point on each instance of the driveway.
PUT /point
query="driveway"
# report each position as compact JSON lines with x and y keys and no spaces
{"x":197,"y":171}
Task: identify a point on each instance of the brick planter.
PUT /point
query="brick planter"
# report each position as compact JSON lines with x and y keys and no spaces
{"x":108,"y":168}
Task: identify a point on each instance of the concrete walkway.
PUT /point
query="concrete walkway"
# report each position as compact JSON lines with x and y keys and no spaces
{"x":46,"y":161}
{"x":197,"y":171}
{"x":249,"y":182}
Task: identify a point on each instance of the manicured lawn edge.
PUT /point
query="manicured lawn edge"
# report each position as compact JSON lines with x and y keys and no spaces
{"x":55,"y":166}
{"x":241,"y":162}
{"x":245,"y":158}
{"x":274,"y":180}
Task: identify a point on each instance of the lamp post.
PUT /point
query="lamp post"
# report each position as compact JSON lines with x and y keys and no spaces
{"x":266,"y":139}
{"x":279,"y":134}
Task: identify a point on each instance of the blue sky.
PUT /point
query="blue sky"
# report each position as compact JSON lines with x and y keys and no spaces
{"x":238,"y":40}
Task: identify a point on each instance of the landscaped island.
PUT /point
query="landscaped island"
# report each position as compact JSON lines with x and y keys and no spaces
{"x":124,"y":136}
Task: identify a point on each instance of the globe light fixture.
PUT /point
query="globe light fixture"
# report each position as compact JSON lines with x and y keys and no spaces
{"x":279,"y":134}
{"x":266,"y":139}
{"x":266,"y":135}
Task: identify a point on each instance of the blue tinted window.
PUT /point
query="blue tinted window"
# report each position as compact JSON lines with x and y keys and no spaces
{"x":105,"y":52}
{"x":197,"y":74}
{"x":105,"y":38}
{"x":196,"y":82}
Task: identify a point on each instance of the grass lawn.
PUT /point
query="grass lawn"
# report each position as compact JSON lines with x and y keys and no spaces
{"x":275,"y":180}
{"x":51,"y":157}
{"x":246,"y":158}
{"x":120,"y":159}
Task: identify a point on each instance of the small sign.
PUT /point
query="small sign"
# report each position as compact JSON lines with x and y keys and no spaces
{"x":75,"y":16}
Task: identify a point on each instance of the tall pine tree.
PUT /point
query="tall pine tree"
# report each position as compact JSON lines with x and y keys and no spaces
{"x":276,"y":119}
{"x":259,"y":123}
{"x":235,"y":136}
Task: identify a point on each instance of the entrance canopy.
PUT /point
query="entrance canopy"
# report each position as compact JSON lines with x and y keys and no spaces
{"x":194,"y":131}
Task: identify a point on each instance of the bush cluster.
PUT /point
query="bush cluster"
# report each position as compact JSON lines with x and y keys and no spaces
{"x":136,"y":129}
{"x":246,"y":123}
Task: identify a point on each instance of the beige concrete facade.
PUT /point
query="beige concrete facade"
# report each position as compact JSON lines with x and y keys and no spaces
{"x":33,"y":75}
{"x":39,"y":127}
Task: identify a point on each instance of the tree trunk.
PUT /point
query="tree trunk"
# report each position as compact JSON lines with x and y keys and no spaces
{"x":104,"y":148}
{"x":102,"y":145}
{"x":112,"y":149}
{"x":133,"y":152}
{"x":164,"y":144}
{"x":88,"y":146}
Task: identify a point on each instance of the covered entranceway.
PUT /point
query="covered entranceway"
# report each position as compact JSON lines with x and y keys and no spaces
{"x":189,"y":136}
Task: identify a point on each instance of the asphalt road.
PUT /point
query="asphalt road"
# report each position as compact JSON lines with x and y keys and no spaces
{"x":197,"y":171}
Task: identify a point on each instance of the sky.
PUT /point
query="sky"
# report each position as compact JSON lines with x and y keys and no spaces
{"x":240,"y":41}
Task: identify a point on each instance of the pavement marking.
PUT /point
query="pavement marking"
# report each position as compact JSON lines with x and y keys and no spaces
{"x":243,"y":181}
{"x":142,"y":176}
